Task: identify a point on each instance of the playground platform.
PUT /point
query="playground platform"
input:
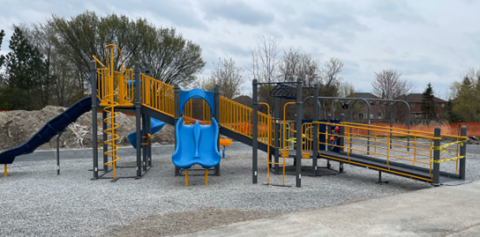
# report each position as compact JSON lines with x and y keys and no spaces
{"x":446,"y":211}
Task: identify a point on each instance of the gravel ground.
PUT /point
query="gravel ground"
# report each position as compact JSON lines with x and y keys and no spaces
{"x":35,"y":201}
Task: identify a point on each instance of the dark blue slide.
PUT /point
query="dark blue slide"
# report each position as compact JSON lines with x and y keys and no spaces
{"x":50,"y":130}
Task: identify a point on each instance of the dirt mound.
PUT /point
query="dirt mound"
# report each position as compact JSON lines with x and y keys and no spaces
{"x":16,"y":127}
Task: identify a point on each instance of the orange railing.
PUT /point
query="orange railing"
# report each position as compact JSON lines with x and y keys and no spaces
{"x":157,"y":95}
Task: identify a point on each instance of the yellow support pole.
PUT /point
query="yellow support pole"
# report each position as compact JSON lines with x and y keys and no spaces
{"x":206,"y":176}
{"x":186,"y":177}
{"x":5,"y":167}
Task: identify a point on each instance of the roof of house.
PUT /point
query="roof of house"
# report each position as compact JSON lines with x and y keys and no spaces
{"x":244,"y":100}
{"x":417,"y":98}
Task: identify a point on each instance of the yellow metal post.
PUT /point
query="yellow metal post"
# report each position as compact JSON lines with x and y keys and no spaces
{"x":206,"y":176}
{"x":186,"y":177}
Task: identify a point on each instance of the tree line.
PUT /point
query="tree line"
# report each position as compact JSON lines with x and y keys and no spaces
{"x":49,"y":63}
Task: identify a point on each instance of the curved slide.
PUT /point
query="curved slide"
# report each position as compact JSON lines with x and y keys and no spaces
{"x":156,"y":125}
{"x":196,"y":144}
{"x":47,"y":132}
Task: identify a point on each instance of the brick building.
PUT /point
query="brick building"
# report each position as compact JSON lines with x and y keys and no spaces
{"x":415,"y":102}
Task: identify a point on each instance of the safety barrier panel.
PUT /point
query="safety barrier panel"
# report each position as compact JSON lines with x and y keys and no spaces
{"x":307,"y":139}
{"x":237,"y":117}
{"x":157,"y":95}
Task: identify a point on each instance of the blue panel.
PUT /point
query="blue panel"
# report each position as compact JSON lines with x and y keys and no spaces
{"x":196,"y":93}
{"x":196,"y":144}
{"x":47,"y":132}
{"x":157,"y":125}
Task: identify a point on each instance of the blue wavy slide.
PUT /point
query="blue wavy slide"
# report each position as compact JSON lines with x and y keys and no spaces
{"x":196,"y":144}
{"x":156,"y":125}
{"x":47,"y":132}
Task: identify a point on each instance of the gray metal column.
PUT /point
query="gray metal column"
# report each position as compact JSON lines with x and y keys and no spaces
{"x":149,"y":122}
{"x":105,"y":137}
{"x":93,"y":75}
{"x":329,"y":131}
{"x":176,"y":90}
{"x":254,"y":133}
{"x":315,"y":130}
{"x":217,"y":117}
{"x":138,"y":105}
{"x":463,"y":152}
{"x":58,"y":153}
{"x":144,"y":148}
{"x":298,"y":127}
{"x":277,"y":133}
{"x":341,"y":140}
{"x":436,"y":158}
{"x":144,"y":132}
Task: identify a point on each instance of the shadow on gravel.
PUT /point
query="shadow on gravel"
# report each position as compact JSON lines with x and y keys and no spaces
{"x":188,"y":222}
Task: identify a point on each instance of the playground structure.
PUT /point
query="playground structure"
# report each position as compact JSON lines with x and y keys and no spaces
{"x":157,"y":103}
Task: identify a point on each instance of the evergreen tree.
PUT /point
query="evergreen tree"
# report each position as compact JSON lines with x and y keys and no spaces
{"x":2,"y":58}
{"x":428,"y":103}
{"x":25,"y":68}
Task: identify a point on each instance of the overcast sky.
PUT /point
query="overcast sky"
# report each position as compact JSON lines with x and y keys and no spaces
{"x":427,"y":41}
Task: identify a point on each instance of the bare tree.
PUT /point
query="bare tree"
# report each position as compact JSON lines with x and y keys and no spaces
{"x":227,"y":76}
{"x":265,"y":58}
{"x":388,"y":85}
{"x":297,"y":64}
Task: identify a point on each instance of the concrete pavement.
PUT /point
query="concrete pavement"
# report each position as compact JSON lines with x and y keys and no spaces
{"x":445,"y":211}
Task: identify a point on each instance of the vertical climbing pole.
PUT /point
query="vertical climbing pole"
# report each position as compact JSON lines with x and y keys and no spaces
{"x":217,"y":117}
{"x":138,"y":106}
{"x":149,"y":123}
{"x":176,"y":101}
{"x":298,"y":127}
{"x":254,"y":132}
{"x":463,"y":152}
{"x":315,"y":130}
{"x":436,"y":157}
{"x":93,"y":72}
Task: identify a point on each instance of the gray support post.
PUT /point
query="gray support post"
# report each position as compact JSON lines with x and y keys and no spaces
{"x":149,"y":122}
{"x":58,"y":153}
{"x":176,"y":90}
{"x":138,"y":105}
{"x":341,"y":140}
{"x":463,"y":152}
{"x":315,"y":130}
{"x":93,"y":72}
{"x":105,"y":137}
{"x":217,"y":117}
{"x":144,"y":148}
{"x":391,"y":125}
{"x":254,"y":135}
{"x":368,"y":132}
{"x":329,"y":131}
{"x":298,"y":127}
{"x":436,"y":158}
{"x":277,"y":133}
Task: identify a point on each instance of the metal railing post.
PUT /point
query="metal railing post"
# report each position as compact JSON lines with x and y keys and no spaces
{"x":463,"y":152}
{"x":436,"y":158}
{"x":149,"y":121}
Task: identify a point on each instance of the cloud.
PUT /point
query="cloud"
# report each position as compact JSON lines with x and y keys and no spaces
{"x":395,"y":11}
{"x":237,"y":11}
